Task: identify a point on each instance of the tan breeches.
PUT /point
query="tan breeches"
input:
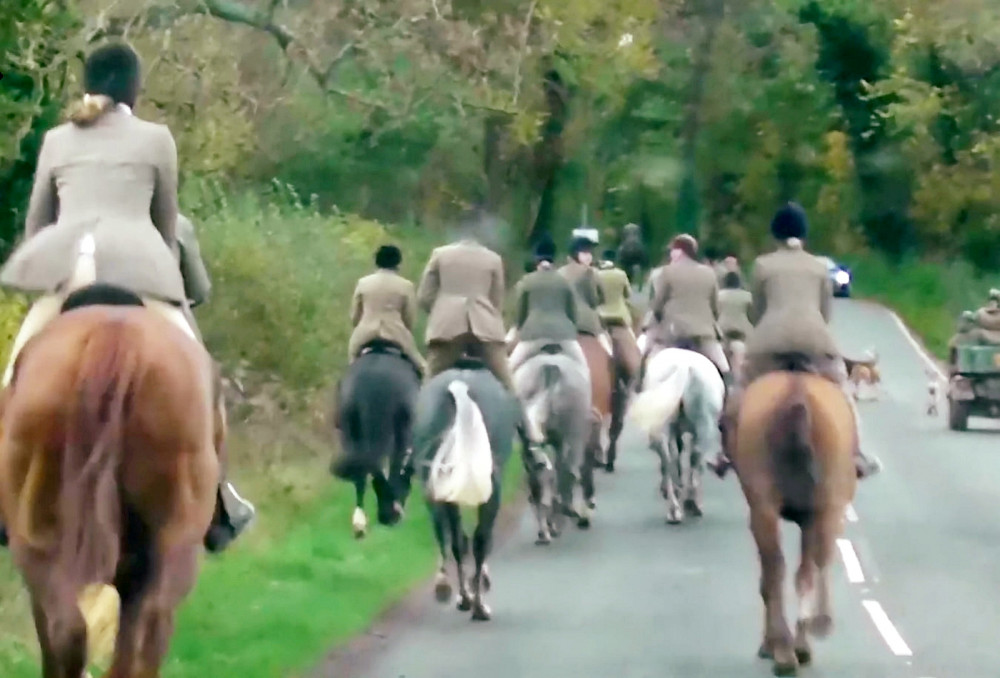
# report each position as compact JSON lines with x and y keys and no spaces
{"x":46,"y":309}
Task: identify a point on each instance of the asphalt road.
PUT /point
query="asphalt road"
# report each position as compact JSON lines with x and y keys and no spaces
{"x":636,"y":598}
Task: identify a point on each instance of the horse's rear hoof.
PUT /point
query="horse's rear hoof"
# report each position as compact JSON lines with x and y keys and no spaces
{"x":464,"y":603}
{"x":543,"y":539}
{"x":692,"y":508}
{"x":786,"y":669}
{"x":591,"y":504}
{"x":360,"y":534}
{"x":583,"y":523}
{"x":820,"y":626}
{"x":610,"y":467}
{"x":764,"y":652}
{"x":804,"y":655}
{"x":481,"y":612}
{"x":442,"y":590}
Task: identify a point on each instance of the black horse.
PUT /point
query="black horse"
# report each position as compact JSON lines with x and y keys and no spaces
{"x":436,"y":414}
{"x":377,"y":398}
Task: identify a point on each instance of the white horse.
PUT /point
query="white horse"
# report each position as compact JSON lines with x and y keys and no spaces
{"x":682,"y":393}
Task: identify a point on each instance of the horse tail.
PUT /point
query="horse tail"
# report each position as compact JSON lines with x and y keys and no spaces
{"x":655,"y":406}
{"x":366,"y":438}
{"x":539,"y":406}
{"x":462,"y":468}
{"x":90,"y":503}
{"x":797,"y":475}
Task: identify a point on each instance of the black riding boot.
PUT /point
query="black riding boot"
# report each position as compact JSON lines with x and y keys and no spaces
{"x":3,"y":535}
{"x":233,"y":514}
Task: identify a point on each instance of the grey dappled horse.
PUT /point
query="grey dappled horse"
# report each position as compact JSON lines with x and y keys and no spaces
{"x":683,"y":393}
{"x":435,"y":416}
{"x":378,"y":396}
{"x":555,"y":391}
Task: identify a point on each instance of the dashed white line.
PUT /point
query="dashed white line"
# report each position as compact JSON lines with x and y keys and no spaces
{"x":916,"y":346}
{"x":851,"y":514}
{"x":885,"y":627}
{"x":852,"y":564}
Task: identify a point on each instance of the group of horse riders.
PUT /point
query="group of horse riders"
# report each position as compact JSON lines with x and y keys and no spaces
{"x":113,"y":176}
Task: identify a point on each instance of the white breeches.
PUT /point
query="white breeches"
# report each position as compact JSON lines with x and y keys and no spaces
{"x":46,"y":309}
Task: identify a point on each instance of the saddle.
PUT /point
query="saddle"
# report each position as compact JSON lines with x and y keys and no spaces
{"x":386,"y":347}
{"x":100,"y":294}
{"x":795,"y":362}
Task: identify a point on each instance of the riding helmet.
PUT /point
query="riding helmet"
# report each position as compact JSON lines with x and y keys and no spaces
{"x":790,"y":222}
{"x":388,"y":256}
{"x":545,"y":249}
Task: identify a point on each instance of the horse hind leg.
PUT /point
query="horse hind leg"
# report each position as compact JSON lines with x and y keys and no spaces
{"x":671,"y":478}
{"x":171,"y":578}
{"x":482,"y":544}
{"x":459,"y":549}
{"x":619,"y":400}
{"x":805,"y":589}
{"x":359,"y":521}
{"x":442,"y":587}
{"x":777,"y":643}
{"x":62,"y":630}
{"x":541,"y":489}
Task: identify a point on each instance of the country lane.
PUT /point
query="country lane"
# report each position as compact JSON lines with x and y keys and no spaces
{"x":636,"y":598}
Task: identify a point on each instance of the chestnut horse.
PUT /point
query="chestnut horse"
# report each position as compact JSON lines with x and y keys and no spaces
{"x":793,"y":454}
{"x":112,"y":431}
{"x":608,"y":402}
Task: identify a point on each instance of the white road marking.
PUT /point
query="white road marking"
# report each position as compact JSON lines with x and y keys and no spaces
{"x":852,"y":564}
{"x":885,"y":627}
{"x":928,"y":360}
{"x":851,"y":514}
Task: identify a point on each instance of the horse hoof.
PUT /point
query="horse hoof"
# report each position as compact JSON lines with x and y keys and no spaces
{"x":464,"y":603}
{"x":583,"y":523}
{"x":804,"y":655}
{"x":591,"y":504}
{"x":543,"y":539}
{"x":610,"y":467}
{"x":360,"y":533}
{"x":786,"y":669}
{"x":692,"y":508}
{"x":820,"y":626}
{"x":764,"y":652}
{"x":675,"y":516}
{"x":442,"y":590}
{"x":481,"y":612}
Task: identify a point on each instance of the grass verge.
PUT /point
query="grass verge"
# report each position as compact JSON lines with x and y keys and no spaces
{"x":928,"y":296}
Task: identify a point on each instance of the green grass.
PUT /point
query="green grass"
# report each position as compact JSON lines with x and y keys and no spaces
{"x":928,"y":296}
{"x":299,"y":582}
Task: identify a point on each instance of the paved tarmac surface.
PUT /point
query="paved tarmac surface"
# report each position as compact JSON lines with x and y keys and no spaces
{"x":637,"y":598}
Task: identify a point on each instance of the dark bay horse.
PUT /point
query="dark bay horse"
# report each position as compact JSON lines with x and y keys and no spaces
{"x":472,"y":389}
{"x":110,"y":456}
{"x":793,"y":453}
{"x":375,"y":420}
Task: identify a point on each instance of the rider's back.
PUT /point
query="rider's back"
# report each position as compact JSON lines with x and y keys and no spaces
{"x":792,"y":296}
{"x":463,"y":286}
{"x":116,"y":177}
{"x":548,"y":307}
